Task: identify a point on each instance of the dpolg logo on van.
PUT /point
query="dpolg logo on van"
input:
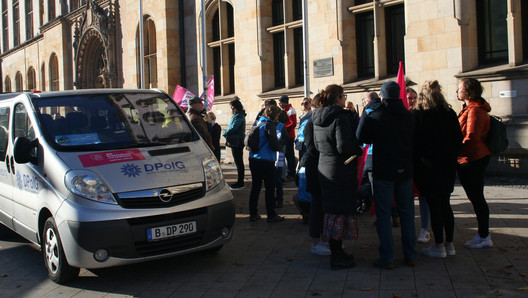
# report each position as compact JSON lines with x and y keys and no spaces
{"x":130,"y":170}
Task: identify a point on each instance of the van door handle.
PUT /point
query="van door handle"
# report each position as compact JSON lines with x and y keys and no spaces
{"x":7,"y":164}
{"x":12,"y":165}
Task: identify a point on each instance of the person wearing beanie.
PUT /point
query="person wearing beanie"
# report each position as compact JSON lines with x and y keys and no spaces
{"x":290,"y":128}
{"x":196,"y":110}
{"x":390,"y":129}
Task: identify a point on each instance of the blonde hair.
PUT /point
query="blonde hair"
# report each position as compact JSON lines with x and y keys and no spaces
{"x":210,"y":116}
{"x":431,"y":97}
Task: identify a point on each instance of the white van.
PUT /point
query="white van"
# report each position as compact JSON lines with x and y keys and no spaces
{"x":108,"y":177}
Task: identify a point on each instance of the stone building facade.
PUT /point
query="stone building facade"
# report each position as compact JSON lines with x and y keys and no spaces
{"x":255,"y":50}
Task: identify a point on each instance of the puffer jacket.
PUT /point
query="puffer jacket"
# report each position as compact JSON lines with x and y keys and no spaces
{"x":475,"y":123}
{"x":335,"y":140}
{"x":272,"y":137}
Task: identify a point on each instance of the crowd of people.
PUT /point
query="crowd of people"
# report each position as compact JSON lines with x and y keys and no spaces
{"x":404,"y":150}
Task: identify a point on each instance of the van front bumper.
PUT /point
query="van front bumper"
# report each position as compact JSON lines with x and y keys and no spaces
{"x":126,"y":242}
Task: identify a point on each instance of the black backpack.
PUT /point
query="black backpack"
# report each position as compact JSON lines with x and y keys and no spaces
{"x":497,"y":139}
{"x":252,"y":139}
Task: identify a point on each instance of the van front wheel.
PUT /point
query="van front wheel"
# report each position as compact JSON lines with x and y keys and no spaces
{"x":59,"y":270}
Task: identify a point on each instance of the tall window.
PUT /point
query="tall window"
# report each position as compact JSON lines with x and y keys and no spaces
{"x":31,"y":83}
{"x":278,"y":59}
{"x":43,"y":77}
{"x":524,"y":17}
{"x":5,"y":25}
{"x":277,"y":7}
{"x":365,"y":44}
{"x":287,"y":38}
{"x":29,"y":19}
{"x":222,"y":45}
{"x":16,"y":23}
{"x":150,"y":51}
{"x":150,"y":62}
{"x":395,"y":33}
{"x":19,"y":84}
{"x":74,"y":4}
{"x":298,"y":52}
{"x":7,"y":84}
{"x":51,"y":10}
{"x":492,"y":31}
{"x":296,"y":10}
{"x":54,"y":73}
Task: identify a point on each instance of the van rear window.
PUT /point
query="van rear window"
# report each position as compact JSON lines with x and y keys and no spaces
{"x":111,"y":121}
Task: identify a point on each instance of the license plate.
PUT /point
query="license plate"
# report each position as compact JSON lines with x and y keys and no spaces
{"x":171,"y":231}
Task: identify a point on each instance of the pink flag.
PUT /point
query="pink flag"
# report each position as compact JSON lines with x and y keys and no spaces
{"x":403,"y":89}
{"x":210,"y":93}
{"x":181,"y":96}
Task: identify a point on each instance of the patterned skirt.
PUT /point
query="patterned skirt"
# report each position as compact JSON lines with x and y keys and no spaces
{"x":340,"y":227}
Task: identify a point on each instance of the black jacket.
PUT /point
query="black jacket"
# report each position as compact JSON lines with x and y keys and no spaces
{"x":335,"y":140}
{"x":390,"y":129}
{"x":437,"y":140}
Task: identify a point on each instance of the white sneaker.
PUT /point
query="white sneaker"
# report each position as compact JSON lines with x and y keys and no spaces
{"x":478,"y":242}
{"x":450,"y":250}
{"x":320,"y":249}
{"x":435,"y":252}
{"x":424,"y":236}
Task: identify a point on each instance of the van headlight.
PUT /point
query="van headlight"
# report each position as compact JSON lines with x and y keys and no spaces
{"x":89,"y":186}
{"x":212,"y":171}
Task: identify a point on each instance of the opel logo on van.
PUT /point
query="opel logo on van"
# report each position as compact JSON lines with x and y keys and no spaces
{"x":165,"y":195}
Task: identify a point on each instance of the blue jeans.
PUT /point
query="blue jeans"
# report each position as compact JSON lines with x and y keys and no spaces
{"x":424,"y":212}
{"x":401,"y":192}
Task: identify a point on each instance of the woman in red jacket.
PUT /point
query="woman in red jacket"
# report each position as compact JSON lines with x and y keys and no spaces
{"x":474,"y":155}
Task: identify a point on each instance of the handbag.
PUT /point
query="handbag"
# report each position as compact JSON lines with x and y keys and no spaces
{"x":233,"y":141}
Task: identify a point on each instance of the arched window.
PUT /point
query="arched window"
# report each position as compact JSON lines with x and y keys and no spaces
{"x":221,"y":43}
{"x":31,"y":83}
{"x":43,"y":77}
{"x":54,"y":73}
{"x":7,"y":84}
{"x":150,"y":71}
{"x":19,"y":84}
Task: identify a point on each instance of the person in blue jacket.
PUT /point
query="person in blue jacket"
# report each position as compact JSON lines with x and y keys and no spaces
{"x":272,"y":135}
{"x":234,"y":135}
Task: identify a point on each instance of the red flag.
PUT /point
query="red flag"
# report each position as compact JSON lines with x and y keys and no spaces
{"x":361,"y":164}
{"x":403,"y":89}
{"x":181,"y":96}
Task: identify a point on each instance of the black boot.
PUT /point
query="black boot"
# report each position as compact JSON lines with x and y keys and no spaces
{"x":339,"y":259}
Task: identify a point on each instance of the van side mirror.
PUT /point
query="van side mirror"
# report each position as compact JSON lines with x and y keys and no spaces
{"x":23,"y":151}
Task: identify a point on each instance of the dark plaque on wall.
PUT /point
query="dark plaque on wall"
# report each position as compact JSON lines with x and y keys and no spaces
{"x":323,"y":67}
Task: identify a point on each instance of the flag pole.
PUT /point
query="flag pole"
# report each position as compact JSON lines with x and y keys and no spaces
{"x":141,"y":50}
{"x":305,"y":50}
{"x":204,"y":68}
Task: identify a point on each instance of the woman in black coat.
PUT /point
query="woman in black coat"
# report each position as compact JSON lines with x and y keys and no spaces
{"x":336,"y":142}
{"x":437,"y":140}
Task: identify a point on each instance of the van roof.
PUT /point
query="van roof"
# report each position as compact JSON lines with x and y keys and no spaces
{"x":79,"y":92}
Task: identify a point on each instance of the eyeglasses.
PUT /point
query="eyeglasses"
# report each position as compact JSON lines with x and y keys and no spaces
{"x":304,"y":103}
{"x":344,"y":95}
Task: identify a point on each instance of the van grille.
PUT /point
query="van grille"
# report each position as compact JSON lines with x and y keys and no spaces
{"x":154,"y":201}
{"x":145,"y":249}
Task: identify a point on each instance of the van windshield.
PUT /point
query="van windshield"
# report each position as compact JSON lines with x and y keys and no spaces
{"x":111,"y":121}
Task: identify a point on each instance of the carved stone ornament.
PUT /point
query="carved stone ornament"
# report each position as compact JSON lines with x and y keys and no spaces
{"x":93,"y":43}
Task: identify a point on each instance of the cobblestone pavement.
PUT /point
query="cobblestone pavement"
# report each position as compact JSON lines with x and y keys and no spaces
{"x":274,"y":260}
